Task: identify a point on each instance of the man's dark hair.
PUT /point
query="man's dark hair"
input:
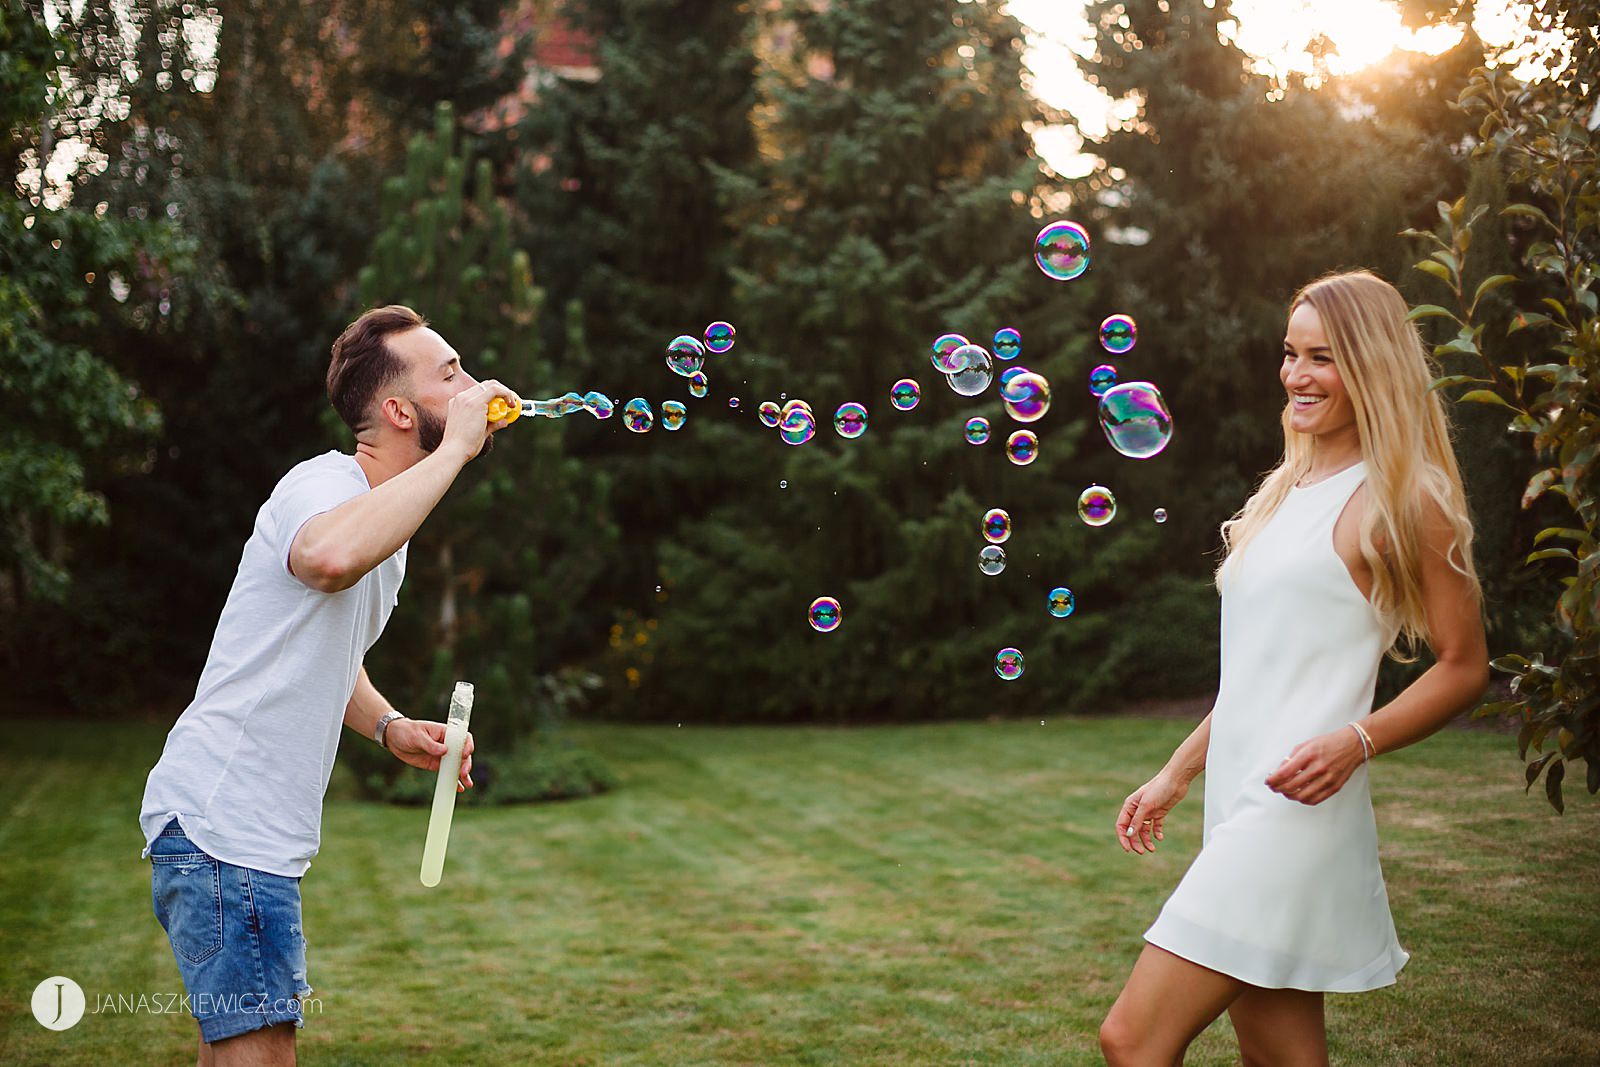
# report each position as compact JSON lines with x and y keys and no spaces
{"x":363,"y":364}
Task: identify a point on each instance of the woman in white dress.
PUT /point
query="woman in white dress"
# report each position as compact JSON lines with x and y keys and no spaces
{"x":1358,"y":543}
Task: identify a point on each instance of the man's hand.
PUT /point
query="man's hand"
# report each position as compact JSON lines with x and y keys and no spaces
{"x":420,"y":742}
{"x":467,"y":424}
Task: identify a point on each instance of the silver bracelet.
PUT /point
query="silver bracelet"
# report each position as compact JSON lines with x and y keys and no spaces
{"x":1366,"y":742}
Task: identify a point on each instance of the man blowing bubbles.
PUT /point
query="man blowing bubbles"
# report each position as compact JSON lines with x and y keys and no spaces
{"x":232,"y":811}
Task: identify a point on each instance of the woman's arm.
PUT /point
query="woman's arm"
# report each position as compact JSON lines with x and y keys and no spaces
{"x":1318,"y":768}
{"x":1144,"y":813}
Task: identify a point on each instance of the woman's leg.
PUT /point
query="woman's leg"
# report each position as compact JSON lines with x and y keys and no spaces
{"x":1164,"y":1006}
{"x":1280,"y":1026}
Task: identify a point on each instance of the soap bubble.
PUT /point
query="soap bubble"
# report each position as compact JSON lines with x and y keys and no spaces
{"x":1136,"y":420}
{"x":996,"y":526}
{"x":685,"y":355}
{"x":904,"y":394}
{"x":1007,"y":376}
{"x":1008,"y":664}
{"x":768,"y":413}
{"x":1022,"y":447}
{"x":698,"y":383}
{"x":783,"y":483}
{"x":1061,"y":602}
{"x":719,"y":336}
{"x":637,"y":416}
{"x":796,"y":405}
{"x":977,"y":430}
{"x":733,"y":401}
{"x":825,"y":614}
{"x":1161,"y":515}
{"x":976,"y":373}
{"x":1007,"y":343}
{"x":673,"y":414}
{"x":1096,"y":505}
{"x":945,"y":360}
{"x":598,"y":404}
{"x":1118,"y":334}
{"x":992,"y":560}
{"x":1028,"y":397}
{"x":798,"y":426}
{"x":1102,"y":378}
{"x":850,"y":420}
{"x":1062,"y":250}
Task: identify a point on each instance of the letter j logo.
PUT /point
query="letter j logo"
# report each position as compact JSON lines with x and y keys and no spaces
{"x":58,"y":1003}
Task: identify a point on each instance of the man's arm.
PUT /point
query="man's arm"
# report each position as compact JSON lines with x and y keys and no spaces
{"x":336,"y":549}
{"x":418,"y":742}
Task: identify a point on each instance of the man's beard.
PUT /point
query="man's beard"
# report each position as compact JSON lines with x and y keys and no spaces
{"x":430,"y":431}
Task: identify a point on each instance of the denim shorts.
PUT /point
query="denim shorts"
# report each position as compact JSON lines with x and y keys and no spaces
{"x":235,"y":933}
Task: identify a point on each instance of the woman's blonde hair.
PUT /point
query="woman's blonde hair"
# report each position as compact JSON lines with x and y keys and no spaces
{"x":1405,"y":441}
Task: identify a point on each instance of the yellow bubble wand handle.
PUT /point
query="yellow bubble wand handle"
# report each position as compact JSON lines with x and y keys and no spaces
{"x":499,"y":409}
{"x":444,"y":790}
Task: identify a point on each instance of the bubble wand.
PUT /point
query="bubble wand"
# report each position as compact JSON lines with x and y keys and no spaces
{"x":595,"y":403}
{"x":444,"y":791}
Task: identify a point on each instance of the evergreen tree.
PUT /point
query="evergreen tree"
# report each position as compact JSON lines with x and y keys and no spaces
{"x":1238,"y":188}
{"x":896,"y":200}
{"x":491,"y":571}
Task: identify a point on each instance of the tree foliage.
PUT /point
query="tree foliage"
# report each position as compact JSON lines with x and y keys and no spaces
{"x":1542,"y":367}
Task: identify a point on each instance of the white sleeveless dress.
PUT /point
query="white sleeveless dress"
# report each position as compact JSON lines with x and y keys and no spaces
{"x":1285,"y":895}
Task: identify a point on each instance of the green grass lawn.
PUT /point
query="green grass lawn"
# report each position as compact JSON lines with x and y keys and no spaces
{"x":909,"y":895}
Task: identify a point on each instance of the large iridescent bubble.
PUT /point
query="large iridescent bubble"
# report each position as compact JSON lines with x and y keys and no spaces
{"x":798,"y":426}
{"x":768,"y":413}
{"x":1102,"y":378}
{"x":1008,"y":664}
{"x":673,"y":414}
{"x":598,"y":404}
{"x":1007,"y":343}
{"x":719,"y":336}
{"x":1007,"y":376}
{"x":1062,"y":250}
{"x":1060,"y":602}
{"x":1118,"y":334}
{"x":905,"y":394}
{"x":996,"y":526}
{"x":825,"y":614}
{"x":850,"y":420}
{"x":992,"y":560}
{"x":976,"y":373}
{"x":698,"y":383}
{"x":1136,"y":420}
{"x":1096,"y":505}
{"x":977,"y":430}
{"x":1022,"y":447}
{"x":685,"y":355}
{"x":945,"y":360}
{"x":637,"y":416}
{"x":1028,"y":397}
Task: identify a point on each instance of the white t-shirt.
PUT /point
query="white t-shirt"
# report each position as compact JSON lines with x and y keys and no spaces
{"x":246,"y":765}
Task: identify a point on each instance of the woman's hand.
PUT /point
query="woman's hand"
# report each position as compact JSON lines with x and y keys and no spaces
{"x":420,"y":742}
{"x":1318,"y":768}
{"x":1139,"y":825}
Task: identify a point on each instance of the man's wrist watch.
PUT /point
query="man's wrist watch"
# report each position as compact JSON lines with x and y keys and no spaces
{"x":383,"y":727}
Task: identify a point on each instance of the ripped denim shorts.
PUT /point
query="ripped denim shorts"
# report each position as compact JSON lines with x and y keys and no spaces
{"x":235,"y":933}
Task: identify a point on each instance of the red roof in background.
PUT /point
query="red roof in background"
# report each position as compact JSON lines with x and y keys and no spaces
{"x":560,"y":47}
